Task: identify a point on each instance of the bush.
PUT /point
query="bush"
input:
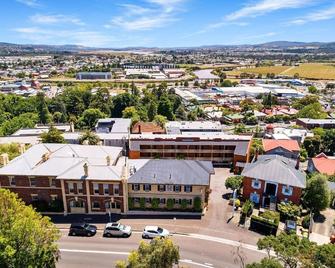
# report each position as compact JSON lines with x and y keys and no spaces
{"x":288,"y":211}
{"x":271,"y":216}
{"x":169,"y":204}
{"x":183,"y":204}
{"x":40,"y":205}
{"x":142,"y":203}
{"x":155,"y":203}
{"x":306,"y":221}
{"x":197,"y":203}
{"x":130,"y":202}
{"x":247,"y":208}
{"x":56,"y":205}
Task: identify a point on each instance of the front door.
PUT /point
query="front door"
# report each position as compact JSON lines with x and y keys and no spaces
{"x":270,"y":189}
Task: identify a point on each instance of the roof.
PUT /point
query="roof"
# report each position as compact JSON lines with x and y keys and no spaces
{"x":61,"y":158}
{"x":290,"y":145}
{"x":114,"y":125}
{"x":166,"y":171}
{"x":146,"y":127}
{"x":188,"y":135}
{"x":277,"y":169}
{"x":324,"y":164}
{"x":316,"y":121}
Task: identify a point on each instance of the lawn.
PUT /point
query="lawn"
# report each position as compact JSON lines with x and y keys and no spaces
{"x":260,"y":70}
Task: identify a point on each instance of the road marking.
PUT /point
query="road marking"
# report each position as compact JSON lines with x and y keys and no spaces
{"x":94,"y":251}
{"x":208,"y":264}
{"x":196,"y":263}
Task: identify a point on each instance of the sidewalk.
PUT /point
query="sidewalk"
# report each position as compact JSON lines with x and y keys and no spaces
{"x":319,"y":239}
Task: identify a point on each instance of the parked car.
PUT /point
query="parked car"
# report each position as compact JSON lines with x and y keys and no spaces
{"x":82,"y":229}
{"x":117,"y":229}
{"x":154,"y":231}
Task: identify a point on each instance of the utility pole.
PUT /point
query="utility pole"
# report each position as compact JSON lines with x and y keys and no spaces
{"x":234,"y":198}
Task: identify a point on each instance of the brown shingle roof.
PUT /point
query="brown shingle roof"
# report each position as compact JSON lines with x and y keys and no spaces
{"x":147,"y":127}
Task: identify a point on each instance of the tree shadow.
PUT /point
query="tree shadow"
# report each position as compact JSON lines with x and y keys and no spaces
{"x":227,"y":196}
{"x":319,"y":218}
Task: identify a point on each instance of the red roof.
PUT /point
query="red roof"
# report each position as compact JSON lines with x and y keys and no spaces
{"x":147,"y":127}
{"x":323,"y":164}
{"x":290,"y":145}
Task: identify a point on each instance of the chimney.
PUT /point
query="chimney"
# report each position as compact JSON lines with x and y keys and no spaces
{"x":71,"y":127}
{"x":4,"y":159}
{"x":298,"y":163}
{"x":139,"y":129}
{"x":256,"y":155}
{"x":45,"y":157}
{"x":22,"y":148}
{"x":108,"y":159}
{"x":86,"y":169}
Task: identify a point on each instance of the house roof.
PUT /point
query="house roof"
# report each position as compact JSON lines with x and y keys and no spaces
{"x":166,"y":171}
{"x":146,"y":127}
{"x":277,"y":169}
{"x":290,"y":145}
{"x":324,"y":164}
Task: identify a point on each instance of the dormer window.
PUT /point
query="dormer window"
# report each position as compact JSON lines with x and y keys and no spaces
{"x":287,"y":190}
{"x":256,"y":184}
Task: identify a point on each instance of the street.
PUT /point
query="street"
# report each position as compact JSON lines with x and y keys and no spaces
{"x":196,"y":250}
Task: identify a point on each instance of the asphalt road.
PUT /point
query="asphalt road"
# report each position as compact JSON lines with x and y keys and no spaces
{"x":196,"y":250}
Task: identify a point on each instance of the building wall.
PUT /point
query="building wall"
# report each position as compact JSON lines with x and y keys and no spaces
{"x":248,"y":189}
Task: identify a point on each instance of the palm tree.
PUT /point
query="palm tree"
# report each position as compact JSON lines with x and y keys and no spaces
{"x":89,"y":138}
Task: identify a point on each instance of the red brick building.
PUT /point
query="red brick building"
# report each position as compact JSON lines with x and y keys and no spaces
{"x":272,"y":179}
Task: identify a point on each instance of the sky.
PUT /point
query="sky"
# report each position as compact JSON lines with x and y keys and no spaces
{"x":165,"y":23}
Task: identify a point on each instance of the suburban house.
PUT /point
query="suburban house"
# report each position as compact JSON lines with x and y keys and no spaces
{"x":271,"y":179}
{"x":323,"y":164}
{"x":87,"y":179}
{"x":314,"y":123}
{"x":286,"y":148}
{"x":173,"y":183}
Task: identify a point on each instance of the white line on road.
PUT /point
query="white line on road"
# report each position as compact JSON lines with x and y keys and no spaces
{"x":196,"y":263}
{"x":94,"y":251}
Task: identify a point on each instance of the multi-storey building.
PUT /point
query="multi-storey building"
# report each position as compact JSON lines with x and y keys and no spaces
{"x":217,"y":147}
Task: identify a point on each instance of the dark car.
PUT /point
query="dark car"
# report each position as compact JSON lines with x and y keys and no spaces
{"x":82,"y":229}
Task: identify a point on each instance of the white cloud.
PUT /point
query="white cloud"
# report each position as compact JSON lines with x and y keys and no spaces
{"x":325,"y":14}
{"x":265,"y":6}
{"x":29,"y":3}
{"x":55,"y":19}
{"x":38,"y":35}
{"x":157,"y":14}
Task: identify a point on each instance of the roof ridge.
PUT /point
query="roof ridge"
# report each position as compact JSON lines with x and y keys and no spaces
{"x":75,"y":165}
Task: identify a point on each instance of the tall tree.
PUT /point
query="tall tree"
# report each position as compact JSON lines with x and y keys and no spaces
{"x":160,"y":253}
{"x":26,"y":238}
{"x":89,"y":118}
{"x":165,"y":108}
{"x":52,"y":136}
{"x":152,"y":110}
{"x":89,"y":137}
{"x":42,"y":109}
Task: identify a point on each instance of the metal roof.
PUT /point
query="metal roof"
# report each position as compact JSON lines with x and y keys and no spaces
{"x":165,"y":171}
{"x":275,"y":168}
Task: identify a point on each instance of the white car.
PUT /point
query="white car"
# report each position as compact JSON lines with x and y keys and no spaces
{"x":117,"y":229}
{"x":154,"y":231}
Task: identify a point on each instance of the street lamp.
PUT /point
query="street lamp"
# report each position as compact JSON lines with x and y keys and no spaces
{"x":110,"y":209}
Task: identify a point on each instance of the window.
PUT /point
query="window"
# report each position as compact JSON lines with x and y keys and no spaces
{"x":95,"y":188}
{"x":287,"y":190}
{"x":116,"y":189}
{"x":116,"y":205}
{"x":71,"y":187}
{"x":169,"y":188}
{"x":12,"y":181}
{"x":161,"y":188}
{"x":53,"y":197}
{"x":32,"y":182}
{"x":177,"y":201}
{"x":34,"y":197}
{"x":106,"y":189}
{"x":189,"y":202}
{"x":188,"y":188}
{"x":52,"y":182}
{"x":147,"y":187}
{"x":148,"y":200}
{"x":136,"y":200}
{"x":80,"y":187}
{"x":162,"y":201}
{"x":256,"y":184}
{"x":135,"y":187}
{"x":95,"y":205}
{"x":177,"y":188}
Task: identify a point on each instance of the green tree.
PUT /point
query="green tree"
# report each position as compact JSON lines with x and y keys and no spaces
{"x":165,"y":108}
{"x":186,"y":83}
{"x":160,"y":120}
{"x":121,"y":101}
{"x":301,"y":103}
{"x":101,"y":100}
{"x":240,"y":128}
{"x":313,"y":145}
{"x":160,"y":253}
{"x":181,"y":113}
{"x":329,"y":141}
{"x":89,"y":118}
{"x":197,"y":203}
{"x":52,"y":136}
{"x":89,"y":137}
{"x":317,"y":193}
{"x":26,"y":238}
{"x":234,"y":182}
{"x":266,"y":263}
{"x":256,"y":146}
{"x":42,"y":109}
{"x":25,"y":120}
{"x":314,"y":111}
{"x":57,"y":117}
{"x":152,"y":110}
{"x":325,"y":256}
{"x":312,"y":89}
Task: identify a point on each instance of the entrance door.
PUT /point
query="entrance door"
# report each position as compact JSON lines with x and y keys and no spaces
{"x":271,"y":189}
{"x":77,"y":206}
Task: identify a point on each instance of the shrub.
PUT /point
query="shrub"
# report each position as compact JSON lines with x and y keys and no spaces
{"x":56,"y":205}
{"x":183,"y":204}
{"x":306,"y":221}
{"x":197,"y":203}
{"x":288,"y":211}
{"x":130,"y":202}
{"x":247,"y":208}
{"x":271,"y":216}
{"x":169,"y":204}
{"x":40,"y":205}
{"x":155,"y":203}
{"x":142,"y":203}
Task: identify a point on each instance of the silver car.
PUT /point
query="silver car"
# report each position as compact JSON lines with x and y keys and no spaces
{"x":117,"y":229}
{"x":154,"y":231}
